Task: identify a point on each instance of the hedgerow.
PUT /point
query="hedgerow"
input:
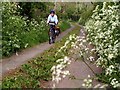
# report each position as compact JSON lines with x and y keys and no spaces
{"x":104,"y":32}
{"x":18,"y":32}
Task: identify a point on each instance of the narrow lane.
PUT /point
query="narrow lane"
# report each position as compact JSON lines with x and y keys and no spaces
{"x":13,"y":62}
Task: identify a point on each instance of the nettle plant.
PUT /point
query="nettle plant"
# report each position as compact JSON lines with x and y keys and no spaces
{"x":104,"y":32}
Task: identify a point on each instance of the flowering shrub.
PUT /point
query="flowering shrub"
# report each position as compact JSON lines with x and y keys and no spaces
{"x":104,"y":32}
{"x":18,"y":32}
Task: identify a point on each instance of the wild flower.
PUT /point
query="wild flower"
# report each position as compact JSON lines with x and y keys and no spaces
{"x":92,"y":50}
{"x":57,"y":71}
{"x":115,"y":83}
{"x":91,"y":58}
{"x":110,"y":56}
{"x":87,"y":82}
{"x":110,"y":70}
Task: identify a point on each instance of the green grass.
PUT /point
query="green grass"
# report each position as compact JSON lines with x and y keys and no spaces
{"x":64,"y":25}
{"x":29,"y":75}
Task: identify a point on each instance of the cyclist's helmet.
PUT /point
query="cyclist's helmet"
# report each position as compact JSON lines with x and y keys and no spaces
{"x":52,"y":11}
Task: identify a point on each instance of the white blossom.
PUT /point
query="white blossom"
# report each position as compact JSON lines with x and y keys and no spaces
{"x":115,"y":83}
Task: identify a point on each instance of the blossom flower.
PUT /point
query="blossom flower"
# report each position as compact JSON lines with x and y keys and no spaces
{"x":88,"y":76}
{"x":110,"y":56}
{"x":87,"y":82}
{"x":92,"y":49}
{"x":110,"y":70}
{"x":86,"y":49}
{"x":57,"y":70}
{"x":91,"y":58}
{"x":115,"y":83}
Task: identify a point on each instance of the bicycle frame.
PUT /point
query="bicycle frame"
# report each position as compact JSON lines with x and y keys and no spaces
{"x":51,"y":34}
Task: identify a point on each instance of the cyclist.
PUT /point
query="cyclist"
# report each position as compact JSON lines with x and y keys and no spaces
{"x":52,"y":18}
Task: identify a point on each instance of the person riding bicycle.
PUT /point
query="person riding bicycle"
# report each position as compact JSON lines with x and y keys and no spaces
{"x":52,"y":18}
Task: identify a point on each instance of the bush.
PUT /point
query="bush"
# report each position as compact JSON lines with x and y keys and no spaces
{"x":85,"y":14}
{"x":12,"y":30}
{"x":18,"y":32}
{"x":64,"y":25}
{"x":35,"y":33}
{"x":104,"y":32}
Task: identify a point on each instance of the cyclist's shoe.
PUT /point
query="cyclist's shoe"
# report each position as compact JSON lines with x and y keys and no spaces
{"x":49,"y":42}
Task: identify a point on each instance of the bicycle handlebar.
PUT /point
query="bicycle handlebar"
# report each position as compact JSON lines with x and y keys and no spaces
{"x":52,"y":24}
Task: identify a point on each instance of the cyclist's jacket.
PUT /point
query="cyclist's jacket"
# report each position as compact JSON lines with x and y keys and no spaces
{"x":52,"y":19}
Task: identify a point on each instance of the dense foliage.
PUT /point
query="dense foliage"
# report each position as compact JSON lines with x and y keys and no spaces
{"x":75,"y":11}
{"x":85,"y":14}
{"x":18,"y":32}
{"x":104,"y":32}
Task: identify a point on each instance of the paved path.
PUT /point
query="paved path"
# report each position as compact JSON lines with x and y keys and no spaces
{"x":10,"y":64}
{"x":80,"y":71}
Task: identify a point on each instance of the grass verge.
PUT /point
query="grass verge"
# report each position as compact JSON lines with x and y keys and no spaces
{"x":64,"y":25}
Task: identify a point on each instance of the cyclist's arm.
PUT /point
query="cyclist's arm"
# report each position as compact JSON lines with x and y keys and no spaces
{"x":56,"y":19}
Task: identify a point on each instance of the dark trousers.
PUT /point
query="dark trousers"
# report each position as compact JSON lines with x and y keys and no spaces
{"x":53,"y":28}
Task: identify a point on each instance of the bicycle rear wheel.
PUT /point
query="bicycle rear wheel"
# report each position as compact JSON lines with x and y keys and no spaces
{"x":51,"y":36}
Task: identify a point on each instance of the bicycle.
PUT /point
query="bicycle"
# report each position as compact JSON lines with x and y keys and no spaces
{"x":52,"y":35}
